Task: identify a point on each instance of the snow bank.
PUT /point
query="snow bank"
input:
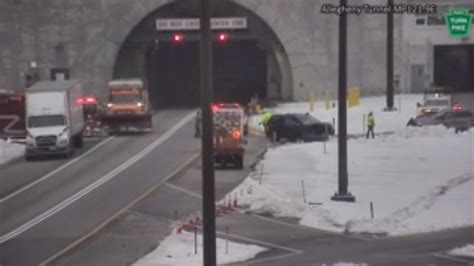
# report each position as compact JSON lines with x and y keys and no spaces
{"x":418,"y":179}
{"x":179,"y":250}
{"x":466,"y":251}
{"x":10,"y":151}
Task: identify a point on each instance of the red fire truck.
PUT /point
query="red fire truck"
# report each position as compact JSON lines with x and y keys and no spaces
{"x":12,"y":115}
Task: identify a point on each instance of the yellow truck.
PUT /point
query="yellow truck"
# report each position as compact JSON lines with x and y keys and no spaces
{"x":128,"y":108}
{"x":228,"y":119}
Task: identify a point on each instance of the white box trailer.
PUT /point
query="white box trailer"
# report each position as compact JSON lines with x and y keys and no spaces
{"x":54,"y":118}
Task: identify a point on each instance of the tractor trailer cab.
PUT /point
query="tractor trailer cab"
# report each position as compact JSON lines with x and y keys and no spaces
{"x":54,"y":119}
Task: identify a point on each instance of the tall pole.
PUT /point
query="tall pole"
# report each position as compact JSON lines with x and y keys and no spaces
{"x":208,"y":190}
{"x":342,"y":194}
{"x":390,"y":58}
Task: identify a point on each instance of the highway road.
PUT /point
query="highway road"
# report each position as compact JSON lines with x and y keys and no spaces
{"x":45,"y":207}
{"x":137,"y":231}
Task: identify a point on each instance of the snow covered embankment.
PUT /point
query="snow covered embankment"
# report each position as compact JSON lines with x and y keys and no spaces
{"x":418,"y":179}
{"x":466,"y":251}
{"x":10,"y":151}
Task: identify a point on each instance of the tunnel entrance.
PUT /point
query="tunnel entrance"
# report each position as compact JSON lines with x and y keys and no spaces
{"x":239,"y":70}
{"x":251,"y":62}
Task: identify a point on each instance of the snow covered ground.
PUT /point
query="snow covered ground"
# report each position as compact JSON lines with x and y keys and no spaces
{"x":418,"y":179}
{"x":10,"y":151}
{"x":466,"y":251}
{"x":179,"y":250}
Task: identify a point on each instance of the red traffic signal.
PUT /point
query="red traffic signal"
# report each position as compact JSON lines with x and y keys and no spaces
{"x":178,"y":37}
{"x":222,"y":37}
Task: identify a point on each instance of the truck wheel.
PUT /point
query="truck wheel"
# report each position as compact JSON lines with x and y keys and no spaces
{"x":239,"y":162}
{"x":78,"y":141}
{"x":275,"y":137}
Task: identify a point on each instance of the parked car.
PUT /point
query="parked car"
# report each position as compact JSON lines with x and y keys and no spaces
{"x":296,"y":126}
{"x":459,"y":120}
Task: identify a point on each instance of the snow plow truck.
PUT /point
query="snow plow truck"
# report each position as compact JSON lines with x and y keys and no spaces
{"x":128,"y":109}
{"x":228,"y":119}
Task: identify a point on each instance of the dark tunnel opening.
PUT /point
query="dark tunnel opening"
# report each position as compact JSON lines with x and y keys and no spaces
{"x":250,"y":62}
{"x":239,"y":70}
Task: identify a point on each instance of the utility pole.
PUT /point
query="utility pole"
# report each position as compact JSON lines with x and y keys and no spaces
{"x":208,"y":189}
{"x":390,"y":106}
{"x":343,"y":194}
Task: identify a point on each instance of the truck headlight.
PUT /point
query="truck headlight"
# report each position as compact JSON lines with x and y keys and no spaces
{"x":30,"y":140}
{"x":63,"y":137}
{"x":109,"y":105}
{"x":139,"y":104}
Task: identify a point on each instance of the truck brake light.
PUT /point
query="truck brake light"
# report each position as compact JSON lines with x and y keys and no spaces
{"x":215,"y":108}
{"x":90,"y":100}
{"x":236,"y":134}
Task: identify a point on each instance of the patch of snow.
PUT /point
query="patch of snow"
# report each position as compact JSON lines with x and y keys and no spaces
{"x":349,"y":264}
{"x":179,"y":250}
{"x":10,"y":151}
{"x":466,"y":251}
{"x":418,"y":179}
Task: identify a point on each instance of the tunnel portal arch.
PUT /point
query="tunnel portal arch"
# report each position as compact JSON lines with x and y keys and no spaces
{"x":251,"y":62}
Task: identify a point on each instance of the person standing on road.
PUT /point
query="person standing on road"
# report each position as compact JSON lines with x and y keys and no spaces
{"x":197,"y":124}
{"x":370,"y":125}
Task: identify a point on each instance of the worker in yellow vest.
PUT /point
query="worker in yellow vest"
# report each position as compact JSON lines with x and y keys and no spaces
{"x":267,"y":114}
{"x":370,"y":125}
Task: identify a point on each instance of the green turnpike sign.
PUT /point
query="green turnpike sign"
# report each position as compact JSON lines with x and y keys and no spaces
{"x":459,"y":22}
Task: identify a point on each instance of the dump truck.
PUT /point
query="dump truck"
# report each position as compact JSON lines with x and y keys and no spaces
{"x":54,"y":118}
{"x":12,"y":115}
{"x":228,"y":133}
{"x":128,"y":109}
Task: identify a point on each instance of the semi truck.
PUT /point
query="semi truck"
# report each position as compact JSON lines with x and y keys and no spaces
{"x":228,"y":122}
{"x":54,"y":118}
{"x":12,"y":115}
{"x":128,"y":108}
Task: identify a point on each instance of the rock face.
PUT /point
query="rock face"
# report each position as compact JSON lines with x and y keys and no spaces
{"x":86,"y":36}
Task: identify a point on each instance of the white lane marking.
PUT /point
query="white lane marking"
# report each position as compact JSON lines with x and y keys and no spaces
{"x":451,"y":258}
{"x":263,"y":243}
{"x":190,"y":193}
{"x":19,"y":230}
{"x":50,"y":174}
{"x":302,"y":227}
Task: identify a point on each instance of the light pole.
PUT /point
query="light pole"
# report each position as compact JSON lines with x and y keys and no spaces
{"x":342,"y":194}
{"x":390,"y":106}
{"x":208,"y":189}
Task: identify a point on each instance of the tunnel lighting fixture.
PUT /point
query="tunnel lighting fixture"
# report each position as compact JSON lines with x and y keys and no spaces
{"x":178,"y":37}
{"x":222,"y":37}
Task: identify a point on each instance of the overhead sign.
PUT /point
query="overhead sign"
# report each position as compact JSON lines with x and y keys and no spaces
{"x":193,"y":23}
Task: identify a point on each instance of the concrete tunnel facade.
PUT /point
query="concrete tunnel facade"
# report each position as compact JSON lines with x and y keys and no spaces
{"x":86,"y":36}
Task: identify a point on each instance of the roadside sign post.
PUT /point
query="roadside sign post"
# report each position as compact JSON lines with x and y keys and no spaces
{"x":208,"y":189}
